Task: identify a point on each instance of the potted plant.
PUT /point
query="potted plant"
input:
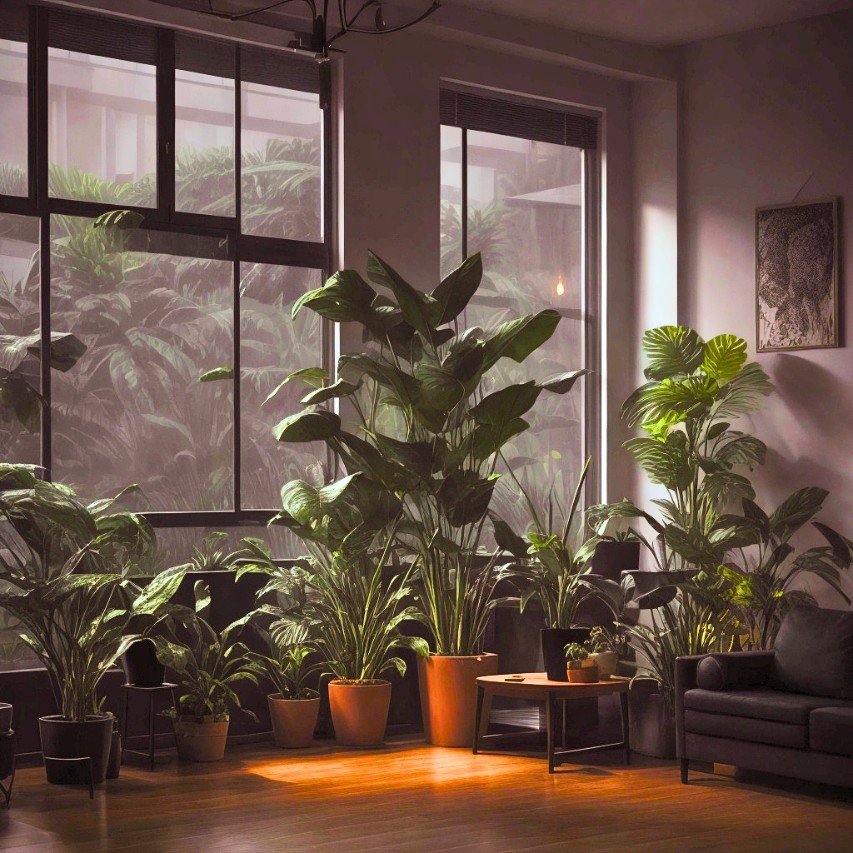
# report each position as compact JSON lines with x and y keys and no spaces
{"x":605,"y":647}
{"x":207,"y":664}
{"x":579,"y":667}
{"x":554,"y":570}
{"x":285,"y":661}
{"x":430,"y":432}
{"x":65,"y":567}
{"x":346,"y":594}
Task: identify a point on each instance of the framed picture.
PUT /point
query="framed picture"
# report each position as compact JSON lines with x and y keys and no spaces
{"x":796,"y":276}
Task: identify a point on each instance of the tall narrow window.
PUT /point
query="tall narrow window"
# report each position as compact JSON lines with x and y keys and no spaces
{"x":514,"y":188}
{"x":13,"y":99}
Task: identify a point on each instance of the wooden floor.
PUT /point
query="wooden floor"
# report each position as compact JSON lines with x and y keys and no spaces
{"x":408,"y":796}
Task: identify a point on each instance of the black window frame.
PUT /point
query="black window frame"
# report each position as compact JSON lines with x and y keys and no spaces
{"x":244,"y":248}
{"x":468,"y":109}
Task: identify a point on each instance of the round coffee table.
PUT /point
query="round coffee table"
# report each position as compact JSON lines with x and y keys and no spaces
{"x":536,"y":687}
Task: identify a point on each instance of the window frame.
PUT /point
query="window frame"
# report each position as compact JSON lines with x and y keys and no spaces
{"x":244,"y":248}
{"x":591,"y":306}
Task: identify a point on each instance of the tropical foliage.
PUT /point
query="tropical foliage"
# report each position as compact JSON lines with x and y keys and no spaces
{"x":429,"y":432}
{"x":286,"y":659}
{"x":65,"y":576}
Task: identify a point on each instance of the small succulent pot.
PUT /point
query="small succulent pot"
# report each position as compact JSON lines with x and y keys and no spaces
{"x":607,"y":662}
{"x":582,"y":671}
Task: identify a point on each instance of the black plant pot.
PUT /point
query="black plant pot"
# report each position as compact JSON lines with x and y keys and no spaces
{"x":141,"y":666}
{"x":652,"y":726}
{"x":553,"y":641}
{"x":611,"y":558}
{"x":5,"y":717}
{"x":62,"y":738}
{"x":114,"y":763}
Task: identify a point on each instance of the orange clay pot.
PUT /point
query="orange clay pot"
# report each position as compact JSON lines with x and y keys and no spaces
{"x":293,"y":720}
{"x":359,"y":711}
{"x":448,"y":687}
{"x":586,"y":673}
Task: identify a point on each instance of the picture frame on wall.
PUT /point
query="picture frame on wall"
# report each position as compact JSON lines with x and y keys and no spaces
{"x":796,"y":276}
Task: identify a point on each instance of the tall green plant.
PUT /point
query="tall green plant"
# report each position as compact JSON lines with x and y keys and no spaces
{"x":64,"y":570}
{"x":430,"y":427}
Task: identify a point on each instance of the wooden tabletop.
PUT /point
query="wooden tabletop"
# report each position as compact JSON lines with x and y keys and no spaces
{"x":537,"y":684}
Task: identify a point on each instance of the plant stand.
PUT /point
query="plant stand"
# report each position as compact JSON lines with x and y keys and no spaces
{"x":536,"y":687}
{"x":151,"y":693}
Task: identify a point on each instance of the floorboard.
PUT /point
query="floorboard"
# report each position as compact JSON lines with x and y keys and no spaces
{"x":411,"y":797}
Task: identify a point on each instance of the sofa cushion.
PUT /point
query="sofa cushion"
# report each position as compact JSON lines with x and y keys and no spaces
{"x":734,"y":670}
{"x":831,"y":730}
{"x":814,"y":652}
{"x":774,"y":705}
{"x":746,"y":728}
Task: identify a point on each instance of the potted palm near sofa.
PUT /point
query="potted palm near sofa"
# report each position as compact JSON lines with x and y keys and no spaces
{"x":346,"y":594}
{"x":554,"y":571}
{"x":65,"y":571}
{"x":430,"y":428}
{"x":207,"y":665}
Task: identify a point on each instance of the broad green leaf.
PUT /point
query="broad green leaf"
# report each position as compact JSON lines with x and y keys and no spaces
{"x":313,"y":377}
{"x":341,"y":388}
{"x":310,"y":425}
{"x":563,"y":382}
{"x":506,"y":404}
{"x":507,"y":538}
{"x":742,"y":394}
{"x":724,"y":356}
{"x":672,"y":351}
{"x":796,"y":510}
{"x":742,"y":450}
{"x":456,"y":290}
{"x":217,"y":373}
{"x":517,"y":339}
{"x":421,"y":310}
{"x":345,"y":297}
{"x":488,"y":438}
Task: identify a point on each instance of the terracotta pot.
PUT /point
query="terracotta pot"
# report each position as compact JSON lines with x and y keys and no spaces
{"x":448,"y":687}
{"x":62,"y":738}
{"x":606,"y":662}
{"x":293,"y":720}
{"x":201,"y":740}
{"x":586,"y":673}
{"x":359,"y":711}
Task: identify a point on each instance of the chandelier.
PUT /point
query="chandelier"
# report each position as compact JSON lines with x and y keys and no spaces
{"x":370,"y":17}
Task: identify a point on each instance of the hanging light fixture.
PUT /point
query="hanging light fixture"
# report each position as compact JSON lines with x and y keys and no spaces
{"x":351,"y":17}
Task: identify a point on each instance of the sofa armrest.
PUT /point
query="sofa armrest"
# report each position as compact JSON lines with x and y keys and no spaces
{"x":685,"y":679}
{"x":734,"y":670}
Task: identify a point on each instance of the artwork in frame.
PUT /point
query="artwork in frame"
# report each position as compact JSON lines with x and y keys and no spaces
{"x":796,"y":276}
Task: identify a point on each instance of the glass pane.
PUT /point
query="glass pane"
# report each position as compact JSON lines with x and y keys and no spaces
{"x":19,"y":319}
{"x":102,"y":128}
{"x":204,"y":144}
{"x":451,"y":198}
{"x":133,"y":410}
{"x":525,"y":209}
{"x":272,"y":346}
{"x":13,"y":118}
{"x":281,"y":174}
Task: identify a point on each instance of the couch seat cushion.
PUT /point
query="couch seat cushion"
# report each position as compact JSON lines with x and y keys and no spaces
{"x":774,"y":705}
{"x":747,"y":729}
{"x":831,"y":730}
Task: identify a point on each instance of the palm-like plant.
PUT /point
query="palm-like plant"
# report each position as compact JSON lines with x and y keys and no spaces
{"x":286,"y":659}
{"x":64,"y":569}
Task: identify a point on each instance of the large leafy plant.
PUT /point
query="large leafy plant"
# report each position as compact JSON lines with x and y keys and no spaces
{"x":429,"y":425}
{"x":346,"y":595}
{"x":65,"y":576}
{"x":286,"y":658}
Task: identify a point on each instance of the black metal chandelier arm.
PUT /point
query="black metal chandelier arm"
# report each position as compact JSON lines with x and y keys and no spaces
{"x":346,"y":28}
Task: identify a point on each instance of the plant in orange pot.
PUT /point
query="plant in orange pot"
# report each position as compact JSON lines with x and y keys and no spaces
{"x":580,"y":668}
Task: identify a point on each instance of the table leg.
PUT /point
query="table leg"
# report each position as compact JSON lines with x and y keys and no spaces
{"x":626,"y":731}
{"x":151,"y":732}
{"x":478,"y":717}
{"x":549,"y":730}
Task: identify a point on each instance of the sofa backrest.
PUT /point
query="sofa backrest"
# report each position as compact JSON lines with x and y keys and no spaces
{"x":814,"y":652}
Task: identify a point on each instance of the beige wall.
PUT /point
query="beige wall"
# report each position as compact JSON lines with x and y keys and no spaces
{"x":768,"y":118}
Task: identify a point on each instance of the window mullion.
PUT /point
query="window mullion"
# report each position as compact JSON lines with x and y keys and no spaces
{"x":238,"y":216}
{"x":165,"y":124}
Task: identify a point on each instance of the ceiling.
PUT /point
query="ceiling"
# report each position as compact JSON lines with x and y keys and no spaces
{"x":657,"y":22}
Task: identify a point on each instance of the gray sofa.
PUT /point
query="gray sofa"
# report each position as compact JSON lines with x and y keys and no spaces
{"x":788,"y":712}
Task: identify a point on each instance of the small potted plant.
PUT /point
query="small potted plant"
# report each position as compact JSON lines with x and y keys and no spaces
{"x":294,"y":705}
{"x":206,"y":664}
{"x":579,"y":668}
{"x":604,"y":646}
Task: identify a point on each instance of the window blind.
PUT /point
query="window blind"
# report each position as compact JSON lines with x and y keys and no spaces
{"x":13,"y":20}
{"x":203,"y":56}
{"x":272,"y":68}
{"x":102,"y":37}
{"x":511,"y":118}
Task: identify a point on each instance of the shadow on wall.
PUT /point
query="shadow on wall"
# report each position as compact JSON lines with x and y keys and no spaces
{"x":811,"y":410}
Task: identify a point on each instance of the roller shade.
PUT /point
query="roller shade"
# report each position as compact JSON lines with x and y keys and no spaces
{"x":511,"y":118}
{"x":282,"y":70}
{"x":203,"y":56}
{"x":102,"y":37}
{"x":13,"y":20}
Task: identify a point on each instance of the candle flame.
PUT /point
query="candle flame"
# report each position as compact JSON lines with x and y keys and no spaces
{"x":559,"y":287}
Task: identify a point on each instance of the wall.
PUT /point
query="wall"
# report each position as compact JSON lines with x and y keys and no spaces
{"x":390,"y":190}
{"x":768,"y":118}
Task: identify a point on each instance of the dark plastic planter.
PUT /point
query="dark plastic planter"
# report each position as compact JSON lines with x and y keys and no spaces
{"x":553,"y":641}
{"x":140,"y":665}
{"x":61,"y":738}
{"x":611,"y":558}
{"x":5,"y":717}
{"x":652,"y":728}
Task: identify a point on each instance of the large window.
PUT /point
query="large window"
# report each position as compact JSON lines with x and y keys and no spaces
{"x":222,"y":150}
{"x":517,"y":186}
